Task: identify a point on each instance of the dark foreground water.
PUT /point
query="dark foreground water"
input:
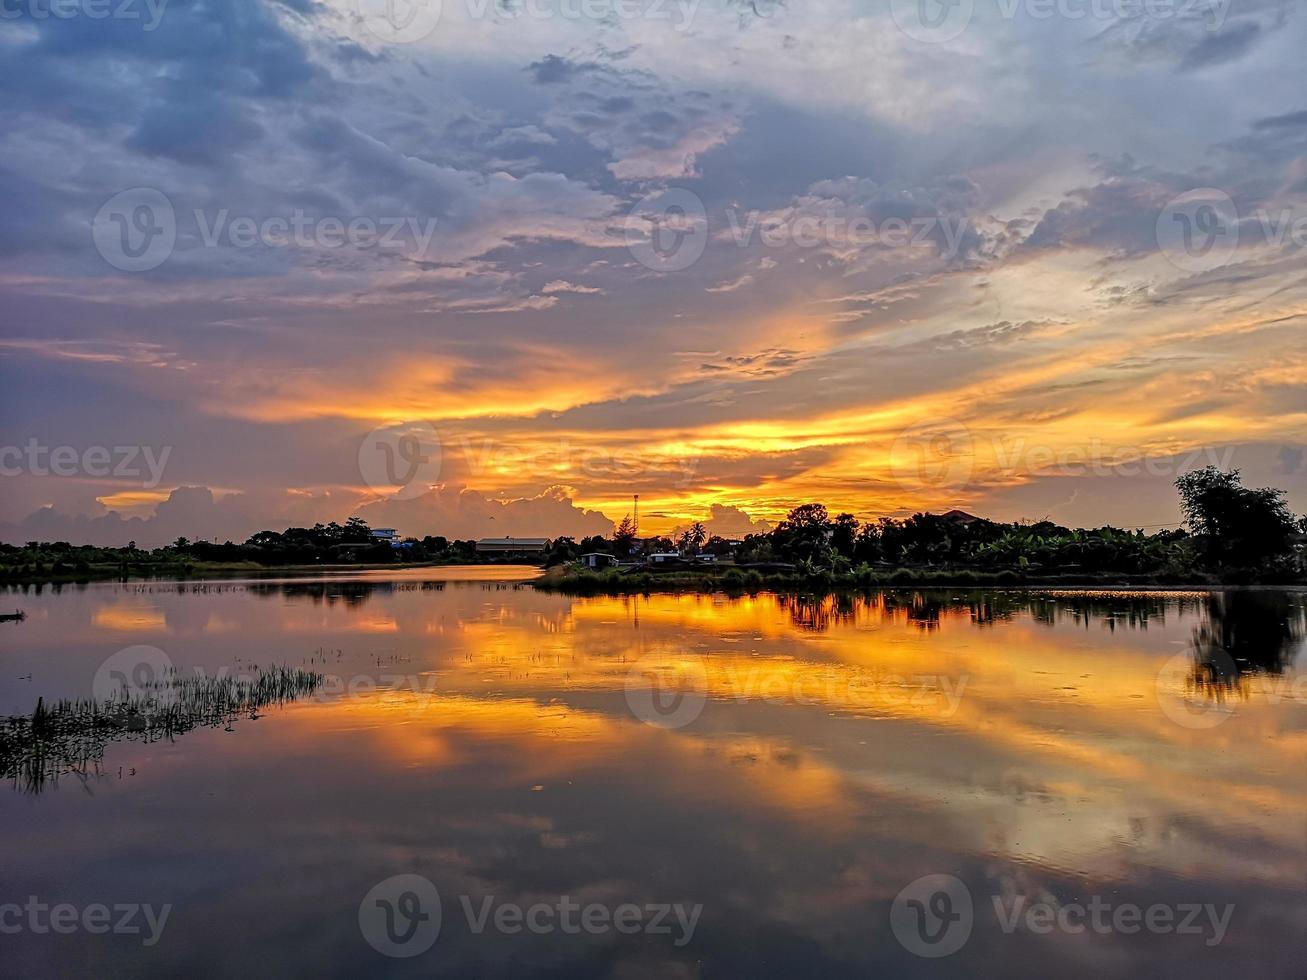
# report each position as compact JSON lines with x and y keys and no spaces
{"x":490,"y":781}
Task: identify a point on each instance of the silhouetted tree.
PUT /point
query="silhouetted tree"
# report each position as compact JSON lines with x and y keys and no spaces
{"x":804,"y":535}
{"x":692,"y":539}
{"x":562,"y":550}
{"x":624,"y":537}
{"x":843,"y":535}
{"x":1235,"y":526}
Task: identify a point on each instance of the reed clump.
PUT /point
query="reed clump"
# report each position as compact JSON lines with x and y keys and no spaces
{"x":70,"y":736}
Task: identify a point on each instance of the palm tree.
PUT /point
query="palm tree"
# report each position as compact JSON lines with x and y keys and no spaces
{"x":692,"y":538}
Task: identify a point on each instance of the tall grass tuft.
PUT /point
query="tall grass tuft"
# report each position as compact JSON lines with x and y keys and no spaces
{"x":70,"y":736}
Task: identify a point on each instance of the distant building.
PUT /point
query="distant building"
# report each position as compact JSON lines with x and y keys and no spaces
{"x":598,"y":559}
{"x":388,"y":535}
{"x":512,"y":546}
{"x":661,"y":557}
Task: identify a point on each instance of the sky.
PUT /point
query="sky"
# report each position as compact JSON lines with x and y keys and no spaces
{"x":482,"y":268}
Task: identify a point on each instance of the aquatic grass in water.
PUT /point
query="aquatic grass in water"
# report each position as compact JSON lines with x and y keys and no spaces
{"x":70,"y":736}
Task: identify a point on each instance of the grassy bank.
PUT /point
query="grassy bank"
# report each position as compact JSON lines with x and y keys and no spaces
{"x":573,"y":582}
{"x":58,"y":573}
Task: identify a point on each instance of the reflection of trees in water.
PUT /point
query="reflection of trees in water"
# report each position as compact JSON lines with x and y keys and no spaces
{"x":1244,"y":634}
{"x":922,"y":609}
{"x":70,"y":737}
{"x":818,"y":613}
{"x":352,"y":593}
{"x":1265,"y":619}
{"x":1131,"y":610}
{"x":1108,"y":609}
{"x":356,"y":593}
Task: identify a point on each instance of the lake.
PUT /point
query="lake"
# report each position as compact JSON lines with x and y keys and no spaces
{"x":487,"y":780}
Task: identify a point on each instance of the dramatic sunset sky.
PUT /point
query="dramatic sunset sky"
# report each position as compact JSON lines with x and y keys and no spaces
{"x":1040,"y":314}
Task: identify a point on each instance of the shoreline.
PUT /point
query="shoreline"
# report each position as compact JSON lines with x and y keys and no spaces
{"x":738,"y":581}
{"x":728,"y":579}
{"x":218,"y":571}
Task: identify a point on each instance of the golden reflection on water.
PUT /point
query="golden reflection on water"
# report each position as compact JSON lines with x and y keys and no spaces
{"x":835,"y":749}
{"x":1035,"y":734}
{"x":1035,"y":725}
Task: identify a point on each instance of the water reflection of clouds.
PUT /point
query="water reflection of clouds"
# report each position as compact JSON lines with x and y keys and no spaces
{"x":792,"y":811}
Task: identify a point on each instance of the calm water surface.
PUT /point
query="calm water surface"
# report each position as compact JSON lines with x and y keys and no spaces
{"x":725,"y":787}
